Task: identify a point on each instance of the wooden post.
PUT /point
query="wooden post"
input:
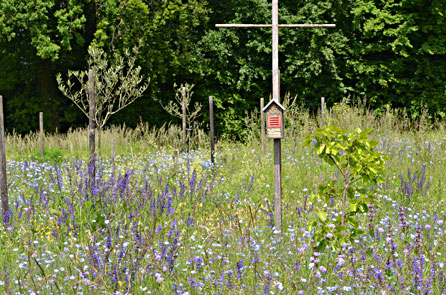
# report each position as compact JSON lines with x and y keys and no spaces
{"x":183,"y":110}
{"x":277,"y":142}
{"x":3,"y":180}
{"x":91,"y":127}
{"x":41,"y":134}
{"x":278,"y":86}
{"x":262,"y":122}
{"x":113,"y":157}
{"x":211,"y":127}
{"x":276,"y":92}
{"x":322,"y":111}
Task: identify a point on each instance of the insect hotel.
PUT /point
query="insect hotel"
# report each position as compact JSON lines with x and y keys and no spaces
{"x":274,"y":119}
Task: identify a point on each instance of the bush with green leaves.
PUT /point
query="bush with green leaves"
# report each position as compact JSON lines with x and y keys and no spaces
{"x":345,"y":196}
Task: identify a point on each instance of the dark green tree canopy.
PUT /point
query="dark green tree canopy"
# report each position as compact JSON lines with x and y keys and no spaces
{"x":391,"y":52}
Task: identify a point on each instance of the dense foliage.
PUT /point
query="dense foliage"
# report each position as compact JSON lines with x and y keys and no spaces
{"x":392,"y":52}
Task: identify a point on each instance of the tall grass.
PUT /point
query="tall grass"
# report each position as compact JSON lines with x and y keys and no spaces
{"x":170,"y":222}
{"x":74,"y":143}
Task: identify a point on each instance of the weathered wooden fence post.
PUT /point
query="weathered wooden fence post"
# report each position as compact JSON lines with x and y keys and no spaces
{"x":322,"y":111}
{"x":183,"y":110}
{"x":113,"y":157}
{"x":262,"y":122}
{"x":3,"y":180}
{"x":91,"y":128}
{"x":211,"y":127}
{"x":41,"y":134}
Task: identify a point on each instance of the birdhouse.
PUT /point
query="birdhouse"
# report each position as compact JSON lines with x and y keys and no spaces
{"x":274,"y":119}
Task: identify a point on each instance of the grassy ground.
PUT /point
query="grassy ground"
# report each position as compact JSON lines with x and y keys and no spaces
{"x":170,"y":222}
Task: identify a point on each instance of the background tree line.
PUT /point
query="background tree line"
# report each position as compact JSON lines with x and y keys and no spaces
{"x":391,"y":52}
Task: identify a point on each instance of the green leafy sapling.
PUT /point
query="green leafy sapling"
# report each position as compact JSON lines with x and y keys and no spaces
{"x":359,"y":168}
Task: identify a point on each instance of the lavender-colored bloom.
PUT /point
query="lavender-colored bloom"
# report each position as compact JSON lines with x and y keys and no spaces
{"x":340,"y":261}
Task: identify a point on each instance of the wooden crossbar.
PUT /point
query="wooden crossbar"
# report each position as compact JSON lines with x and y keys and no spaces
{"x":270,"y":26}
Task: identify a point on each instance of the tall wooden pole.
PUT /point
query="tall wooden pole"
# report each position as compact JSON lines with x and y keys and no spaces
{"x":41,"y":134}
{"x":276,"y":93}
{"x":3,"y":181}
{"x":183,"y":110}
{"x":262,"y":122}
{"x":277,"y":142}
{"x":211,"y":127}
{"x":91,"y":127}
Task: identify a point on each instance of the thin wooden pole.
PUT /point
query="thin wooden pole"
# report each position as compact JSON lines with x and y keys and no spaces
{"x":91,"y":127}
{"x":3,"y":180}
{"x":41,"y":134}
{"x":262,"y":122}
{"x":277,"y":142}
{"x":113,"y":157}
{"x":183,"y":110}
{"x":275,"y":45}
{"x":322,"y":111}
{"x":211,"y":127}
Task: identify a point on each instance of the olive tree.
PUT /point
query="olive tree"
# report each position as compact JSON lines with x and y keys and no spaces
{"x":118,"y":82}
{"x":180,"y":107}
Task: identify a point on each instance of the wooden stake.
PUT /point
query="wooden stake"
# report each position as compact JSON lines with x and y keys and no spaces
{"x":91,"y":127}
{"x":322,"y":111}
{"x":41,"y":134}
{"x":113,"y":157}
{"x":262,"y":122}
{"x":3,"y":180}
{"x":211,"y":127}
{"x":183,"y":110}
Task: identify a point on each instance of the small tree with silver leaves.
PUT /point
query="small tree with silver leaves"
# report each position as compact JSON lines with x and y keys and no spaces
{"x":117,"y":84}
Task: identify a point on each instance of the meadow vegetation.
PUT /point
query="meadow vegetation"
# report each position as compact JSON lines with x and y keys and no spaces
{"x":171,"y":222}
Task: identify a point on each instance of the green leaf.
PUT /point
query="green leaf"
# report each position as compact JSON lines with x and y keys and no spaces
{"x":320,"y":149}
{"x":353,"y":206}
{"x":322,"y":215}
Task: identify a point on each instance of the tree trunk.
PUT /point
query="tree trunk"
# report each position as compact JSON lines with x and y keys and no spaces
{"x":99,"y":152}
{"x":99,"y":144}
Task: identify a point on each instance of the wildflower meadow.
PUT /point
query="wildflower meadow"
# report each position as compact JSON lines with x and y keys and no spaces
{"x":168,"y":221}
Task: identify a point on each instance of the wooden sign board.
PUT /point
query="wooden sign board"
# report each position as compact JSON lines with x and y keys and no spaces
{"x":274,"y":119}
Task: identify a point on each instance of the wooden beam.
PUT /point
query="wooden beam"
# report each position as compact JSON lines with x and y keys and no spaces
{"x":183,"y":112}
{"x":303,"y":26}
{"x":41,"y":134}
{"x":262,"y":124}
{"x":3,"y":180}
{"x":211,"y":127}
